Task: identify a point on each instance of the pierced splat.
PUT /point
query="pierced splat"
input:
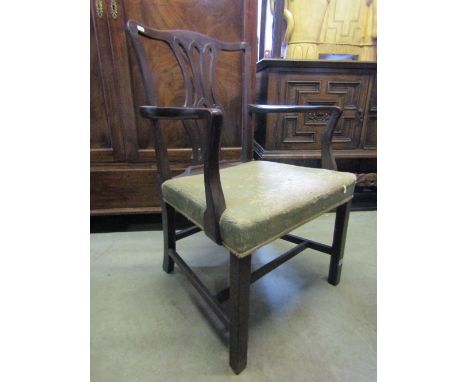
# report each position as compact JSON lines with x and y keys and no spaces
{"x":196,"y":55}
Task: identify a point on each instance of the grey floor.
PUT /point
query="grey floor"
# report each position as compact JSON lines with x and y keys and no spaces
{"x":147,"y":325}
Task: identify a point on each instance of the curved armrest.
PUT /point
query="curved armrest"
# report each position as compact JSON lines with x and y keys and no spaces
{"x":215,"y":203}
{"x":320,"y":113}
{"x":292,"y":108}
{"x":156,"y":112}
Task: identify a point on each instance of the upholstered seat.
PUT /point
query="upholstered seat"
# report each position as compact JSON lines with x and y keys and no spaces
{"x":264,"y":200}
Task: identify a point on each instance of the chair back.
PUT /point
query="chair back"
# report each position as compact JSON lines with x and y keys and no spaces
{"x":197,"y":57}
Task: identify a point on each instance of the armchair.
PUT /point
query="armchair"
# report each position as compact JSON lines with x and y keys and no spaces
{"x":240,"y":207}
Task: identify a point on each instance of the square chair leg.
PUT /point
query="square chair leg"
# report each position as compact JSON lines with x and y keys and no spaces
{"x":339,"y":241}
{"x":239,"y":274}
{"x":168,"y":219}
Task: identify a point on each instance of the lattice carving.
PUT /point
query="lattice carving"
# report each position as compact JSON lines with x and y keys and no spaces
{"x":316,"y":117}
{"x":307,"y":128}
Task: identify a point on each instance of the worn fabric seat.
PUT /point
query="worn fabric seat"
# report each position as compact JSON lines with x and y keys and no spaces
{"x":264,"y":200}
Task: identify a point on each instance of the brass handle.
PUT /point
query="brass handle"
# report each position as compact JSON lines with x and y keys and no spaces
{"x":99,"y":8}
{"x":114,"y":9}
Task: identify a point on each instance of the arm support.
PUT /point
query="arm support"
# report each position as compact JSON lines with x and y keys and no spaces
{"x":215,"y":203}
{"x":329,"y":114}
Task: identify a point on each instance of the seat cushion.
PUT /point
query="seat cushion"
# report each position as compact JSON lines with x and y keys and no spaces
{"x":264,"y":200}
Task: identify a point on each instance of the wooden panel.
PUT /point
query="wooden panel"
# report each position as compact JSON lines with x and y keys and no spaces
{"x":130,"y":186}
{"x":106,"y":136}
{"x":295,"y":138}
{"x":124,"y":187}
{"x":220,"y":19}
{"x":302,"y":131}
{"x":370,"y":137}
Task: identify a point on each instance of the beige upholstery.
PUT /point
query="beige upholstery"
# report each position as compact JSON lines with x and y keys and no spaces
{"x":264,"y":200}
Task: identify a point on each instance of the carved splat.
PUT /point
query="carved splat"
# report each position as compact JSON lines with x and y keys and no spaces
{"x":306,"y":129}
{"x":196,"y":55}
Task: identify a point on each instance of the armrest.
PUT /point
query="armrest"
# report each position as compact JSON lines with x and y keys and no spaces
{"x":292,"y":108}
{"x":321,"y":113}
{"x":215,"y":203}
{"x":156,"y":112}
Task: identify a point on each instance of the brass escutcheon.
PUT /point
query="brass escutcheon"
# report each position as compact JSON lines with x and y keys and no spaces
{"x":114,"y":9}
{"x":99,"y":8}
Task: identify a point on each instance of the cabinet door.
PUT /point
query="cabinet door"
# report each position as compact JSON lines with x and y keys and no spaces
{"x":106,"y":132}
{"x":303,"y":131}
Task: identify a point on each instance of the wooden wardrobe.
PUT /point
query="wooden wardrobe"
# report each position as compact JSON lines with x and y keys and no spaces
{"x":123,"y":170}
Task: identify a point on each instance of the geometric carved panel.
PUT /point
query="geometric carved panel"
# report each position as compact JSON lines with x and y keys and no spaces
{"x":347,"y":93}
{"x":293,"y":132}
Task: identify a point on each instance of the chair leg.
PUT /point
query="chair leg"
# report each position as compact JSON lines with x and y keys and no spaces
{"x":339,"y":241}
{"x":168,"y":218}
{"x":239,"y":274}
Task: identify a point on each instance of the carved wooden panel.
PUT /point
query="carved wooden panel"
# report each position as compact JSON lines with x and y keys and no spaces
{"x":370,"y":137}
{"x":301,"y":131}
{"x":295,"y":138}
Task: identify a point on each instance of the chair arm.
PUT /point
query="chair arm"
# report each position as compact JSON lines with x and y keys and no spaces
{"x":215,"y":202}
{"x":156,"y":112}
{"x":292,"y":108}
{"x":321,"y":113}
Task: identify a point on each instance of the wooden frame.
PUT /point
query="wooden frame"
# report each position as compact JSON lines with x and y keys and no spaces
{"x":202,"y":117}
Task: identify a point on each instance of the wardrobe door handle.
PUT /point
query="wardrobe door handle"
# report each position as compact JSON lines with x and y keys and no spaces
{"x":99,"y":8}
{"x":114,"y":9}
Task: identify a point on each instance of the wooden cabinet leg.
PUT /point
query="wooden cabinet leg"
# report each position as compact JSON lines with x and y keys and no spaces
{"x":168,"y":219}
{"x":339,"y":241}
{"x":239,"y":274}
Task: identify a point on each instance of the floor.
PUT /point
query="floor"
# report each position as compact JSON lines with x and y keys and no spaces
{"x":147,"y":325}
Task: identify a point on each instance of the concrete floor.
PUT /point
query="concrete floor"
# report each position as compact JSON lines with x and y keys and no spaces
{"x":147,"y":325}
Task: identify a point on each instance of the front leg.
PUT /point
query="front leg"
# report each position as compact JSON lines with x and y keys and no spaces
{"x":239,"y":274}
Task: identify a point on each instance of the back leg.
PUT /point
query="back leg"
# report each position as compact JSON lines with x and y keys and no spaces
{"x":339,"y":241}
{"x":168,"y":219}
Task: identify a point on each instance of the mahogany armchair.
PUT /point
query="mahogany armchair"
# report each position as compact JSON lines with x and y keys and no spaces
{"x":241,"y":207}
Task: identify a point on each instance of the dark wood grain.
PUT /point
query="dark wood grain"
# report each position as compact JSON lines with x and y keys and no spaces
{"x":295,"y":137}
{"x":370,"y":126}
{"x":117,"y":92}
{"x":106,"y":132}
{"x":225,"y":20}
{"x":329,"y":115}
